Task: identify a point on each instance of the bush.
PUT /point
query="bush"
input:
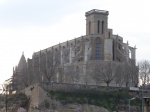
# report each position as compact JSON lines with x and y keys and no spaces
{"x":108,"y":100}
{"x":20,"y":99}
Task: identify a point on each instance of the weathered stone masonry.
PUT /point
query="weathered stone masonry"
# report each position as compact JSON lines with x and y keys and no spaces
{"x":99,"y":44}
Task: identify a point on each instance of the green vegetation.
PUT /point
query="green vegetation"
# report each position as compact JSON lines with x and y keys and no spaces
{"x":1,"y":97}
{"x":13,"y":100}
{"x":1,"y":100}
{"x":19,"y":99}
{"x":106,"y":99}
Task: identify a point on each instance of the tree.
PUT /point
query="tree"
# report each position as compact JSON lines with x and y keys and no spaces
{"x":88,"y":72}
{"x":134,"y":75}
{"x":119,"y":75}
{"x":126,"y":73}
{"x":27,"y":77}
{"x":109,"y":73}
{"x":23,"y":77}
{"x":144,"y":71}
{"x":49,"y":64}
{"x":7,"y":86}
{"x":70,"y":74}
{"x":96,"y":70}
{"x":104,"y":72}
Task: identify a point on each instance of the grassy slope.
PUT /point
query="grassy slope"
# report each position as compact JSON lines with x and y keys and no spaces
{"x":106,"y":99}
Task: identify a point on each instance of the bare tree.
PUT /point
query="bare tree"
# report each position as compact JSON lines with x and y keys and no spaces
{"x":27,"y":77}
{"x":126,"y":73}
{"x":130,"y":74}
{"x":134,"y":75}
{"x":7,"y":86}
{"x":70,"y":74}
{"x":88,"y":72}
{"x":144,"y":71}
{"x":22,"y":79}
{"x":109,"y":73}
{"x":119,"y":75}
{"x":96,"y":70}
{"x":104,"y":72}
{"x":49,"y":63}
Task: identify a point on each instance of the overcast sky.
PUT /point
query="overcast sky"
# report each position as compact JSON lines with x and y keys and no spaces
{"x":30,"y":25}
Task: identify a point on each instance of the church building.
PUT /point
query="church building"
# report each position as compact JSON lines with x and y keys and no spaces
{"x":82,"y":60}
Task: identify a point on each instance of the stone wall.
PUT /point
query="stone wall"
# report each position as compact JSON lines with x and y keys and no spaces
{"x":75,"y":87}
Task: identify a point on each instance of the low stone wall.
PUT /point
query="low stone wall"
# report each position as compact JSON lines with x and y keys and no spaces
{"x":75,"y":87}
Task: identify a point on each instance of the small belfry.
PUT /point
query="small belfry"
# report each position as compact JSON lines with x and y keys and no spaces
{"x":82,"y":60}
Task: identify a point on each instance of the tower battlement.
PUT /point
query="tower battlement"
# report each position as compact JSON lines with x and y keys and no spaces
{"x":96,"y":11}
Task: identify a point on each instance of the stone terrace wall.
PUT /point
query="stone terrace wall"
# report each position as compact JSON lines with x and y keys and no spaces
{"x":75,"y":87}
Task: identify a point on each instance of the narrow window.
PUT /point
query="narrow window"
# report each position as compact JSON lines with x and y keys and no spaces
{"x":102,"y":27}
{"x":89,"y":27}
{"x":98,"y":26}
{"x":77,"y":73}
{"x":98,"y":48}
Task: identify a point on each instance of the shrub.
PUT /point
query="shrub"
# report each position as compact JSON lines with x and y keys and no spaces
{"x":106,"y":99}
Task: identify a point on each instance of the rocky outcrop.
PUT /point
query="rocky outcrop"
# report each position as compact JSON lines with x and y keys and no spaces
{"x":39,"y":102}
{"x":72,"y":108}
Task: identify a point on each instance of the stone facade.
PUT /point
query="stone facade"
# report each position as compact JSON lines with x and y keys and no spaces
{"x":99,"y":45}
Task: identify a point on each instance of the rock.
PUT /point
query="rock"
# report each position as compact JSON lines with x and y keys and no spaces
{"x":74,"y":107}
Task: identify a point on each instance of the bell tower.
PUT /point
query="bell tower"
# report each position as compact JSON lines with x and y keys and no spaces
{"x":96,"y":22}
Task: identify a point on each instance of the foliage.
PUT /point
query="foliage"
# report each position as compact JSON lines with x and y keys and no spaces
{"x":20,"y":99}
{"x":1,"y":100}
{"x":108,"y":100}
{"x":1,"y":97}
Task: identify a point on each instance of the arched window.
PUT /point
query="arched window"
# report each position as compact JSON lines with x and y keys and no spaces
{"x":98,"y":26}
{"x":77,"y":74}
{"x":89,"y":27}
{"x":102,"y":27}
{"x":98,"y":48}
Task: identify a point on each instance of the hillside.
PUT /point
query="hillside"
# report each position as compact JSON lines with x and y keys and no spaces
{"x":110,"y":100}
{"x":40,"y":100}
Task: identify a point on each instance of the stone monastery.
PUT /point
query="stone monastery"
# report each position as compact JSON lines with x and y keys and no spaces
{"x":99,"y":57}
